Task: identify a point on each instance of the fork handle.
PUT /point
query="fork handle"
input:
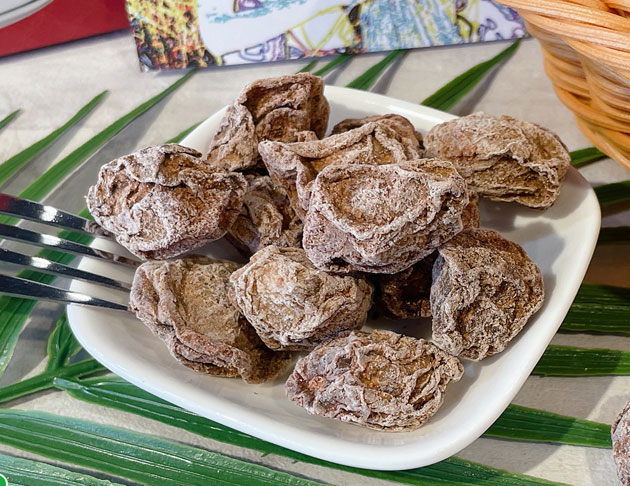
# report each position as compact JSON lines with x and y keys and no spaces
{"x":20,"y":287}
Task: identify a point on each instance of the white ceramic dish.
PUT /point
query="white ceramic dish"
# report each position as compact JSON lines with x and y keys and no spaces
{"x":13,"y":10}
{"x":560,"y":240}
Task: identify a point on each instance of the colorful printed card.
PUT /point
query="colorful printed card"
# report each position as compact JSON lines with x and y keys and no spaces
{"x":182,"y":33}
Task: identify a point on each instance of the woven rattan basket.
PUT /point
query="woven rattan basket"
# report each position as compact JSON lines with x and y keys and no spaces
{"x":586,"y":45}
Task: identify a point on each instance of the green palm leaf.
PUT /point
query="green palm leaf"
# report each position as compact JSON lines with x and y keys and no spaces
{"x":459,"y":472}
{"x":582,"y":157}
{"x":530,"y":424}
{"x":131,"y":455}
{"x":340,"y":59}
{"x":447,"y":96}
{"x":599,"y":308}
{"x":183,"y":134}
{"x":15,"y":163}
{"x":116,"y":393}
{"x":366,"y":80}
{"x":9,"y":118}
{"x":46,"y":379}
{"x":613,"y":193}
{"x":23,"y":472}
{"x":516,"y":423}
{"x":308,"y":68}
{"x":62,"y":344}
{"x":570,"y":361}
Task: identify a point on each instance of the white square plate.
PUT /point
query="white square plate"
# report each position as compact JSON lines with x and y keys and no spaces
{"x":560,"y":240}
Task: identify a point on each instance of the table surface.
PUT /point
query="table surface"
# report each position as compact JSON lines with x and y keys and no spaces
{"x":51,"y":84}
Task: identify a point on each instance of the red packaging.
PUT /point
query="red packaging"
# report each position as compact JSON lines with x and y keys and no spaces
{"x":63,"y":21}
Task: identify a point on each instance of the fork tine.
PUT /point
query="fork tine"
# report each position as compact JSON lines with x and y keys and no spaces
{"x":55,"y":243}
{"x":20,"y":287}
{"x":34,"y":211}
{"x":46,"y":266}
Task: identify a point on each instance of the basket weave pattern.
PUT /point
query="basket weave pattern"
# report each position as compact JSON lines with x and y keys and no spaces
{"x":586,"y":46}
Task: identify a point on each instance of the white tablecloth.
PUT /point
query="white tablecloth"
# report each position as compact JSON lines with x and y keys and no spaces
{"x":52,"y":83}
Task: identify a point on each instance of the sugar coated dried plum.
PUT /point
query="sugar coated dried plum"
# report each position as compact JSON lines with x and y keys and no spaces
{"x":409,"y":135}
{"x":164,"y":200}
{"x":184,"y":302}
{"x":268,"y":109}
{"x":382,"y":219}
{"x":406,"y":294}
{"x":485,"y":288}
{"x":470,"y":215}
{"x":293,"y":305}
{"x":380,"y":380}
{"x":503,"y":158}
{"x":294,"y":166}
{"x":266,"y":218}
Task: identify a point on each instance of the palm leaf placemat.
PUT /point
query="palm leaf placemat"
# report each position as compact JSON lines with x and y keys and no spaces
{"x":145,"y":459}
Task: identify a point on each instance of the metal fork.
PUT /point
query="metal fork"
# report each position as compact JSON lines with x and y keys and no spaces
{"x":48,"y":215}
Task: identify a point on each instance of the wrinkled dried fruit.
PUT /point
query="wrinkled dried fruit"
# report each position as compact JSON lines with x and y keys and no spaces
{"x":305,"y":136}
{"x":184,"y":302}
{"x":485,"y":288}
{"x":470,"y":215}
{"x":266,"y":218}
{"x":294,"y":166}
{"x":620,"y":433}
{"x":503,"y":158}
{"x":380,"y":380}
{"x":164,"y":200}
{"x":273,"y":109}
{"x":293,"y":305}
{"x":406,"y":294}
{"x":382,"y":219}
{"x":399,"y":123}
